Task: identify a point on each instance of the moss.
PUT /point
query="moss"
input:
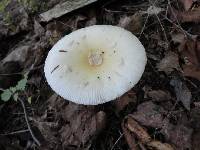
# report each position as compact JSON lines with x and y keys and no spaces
{"x":7,"y":18}
{"x":3,"y":4}
{"x":31,"y":5}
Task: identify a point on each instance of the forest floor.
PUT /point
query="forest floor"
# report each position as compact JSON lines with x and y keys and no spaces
{"x":161,"y":112}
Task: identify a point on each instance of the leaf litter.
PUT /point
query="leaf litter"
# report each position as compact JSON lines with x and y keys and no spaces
{"x":160,"y":112}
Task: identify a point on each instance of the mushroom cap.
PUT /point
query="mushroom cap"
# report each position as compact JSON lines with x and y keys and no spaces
{"x":96,"y":64}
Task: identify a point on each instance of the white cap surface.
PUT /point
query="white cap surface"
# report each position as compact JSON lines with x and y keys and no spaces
{"x":96,"y":64}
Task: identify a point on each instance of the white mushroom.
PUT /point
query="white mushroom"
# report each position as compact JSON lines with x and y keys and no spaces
{"x":96,"y":64}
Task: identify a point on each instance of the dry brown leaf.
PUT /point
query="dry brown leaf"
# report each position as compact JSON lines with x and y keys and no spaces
{"x":157,"y":145}
{"x":179,"y":135}
{"x":187,"y":4}
{"x":190,"y":51}
{"x":76,"y":124}
{"x":182,"y":92}
{"x":130,"y":138}
{"x":169,"y":63}
{"x":141,"y":134}
{"x":139,"y":131}
{"x":159,"y":95}
{"x":132,"y":23}
{"x":124,"y":101}
{"x":151,"y":115}
{"x":189,"y":16}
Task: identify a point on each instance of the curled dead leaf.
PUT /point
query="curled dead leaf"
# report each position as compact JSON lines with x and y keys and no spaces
{"x":139,"y":131}
{"x":157,"y":145}
{"x":130,"y":138}
{"x":132,"y":131}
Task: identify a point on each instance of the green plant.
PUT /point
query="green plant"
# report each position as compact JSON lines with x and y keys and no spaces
{"x":14,"y":91}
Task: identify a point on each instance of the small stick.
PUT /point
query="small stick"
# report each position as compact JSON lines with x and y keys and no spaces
{"x":117,"y":141}
{"x":62,"y":51}
{"x":55,"y":68}
{"x":15,"y":132}
{"x":27,"y":122}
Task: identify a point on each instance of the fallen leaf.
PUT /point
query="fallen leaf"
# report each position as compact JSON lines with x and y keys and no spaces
{"x":179,"y":135}
{"x":6,"y":95}
{"x":157,"y":145}
{"x":182,"y":92}
{"x":124,"y":101}
{"x":130,"y":138}
{"x":139,"y":131}
{"x":190,"y":51}
{"x":38,"y":29}
{"x":195,"y":124}
{"x":187,"y":4}
{"x":189,"y":16}
{"x":191,"y":71}
{"x":178,"y":38}
{"x":169,"y":63}
{"x":141,"y":134}
{"x":159,"y":95}
{"x":195,"y":140}
{"x":151,"y":115}
{"x":132,"y":23}
{"x":76,"y":124}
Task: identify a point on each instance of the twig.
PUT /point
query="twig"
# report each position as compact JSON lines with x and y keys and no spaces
{"x":162,"y":28}
{"x":20,"y":73}
{"x":144,"y":25}
{"x":27,"y":122}
{"x":186,"y":34}
{"x":15,"y":132}
{"x":117,"y":141}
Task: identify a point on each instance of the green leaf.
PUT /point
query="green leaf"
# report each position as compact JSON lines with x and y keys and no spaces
{"x":29,"y":99}
{"x":5,"y":96}
{"x":15,"y":96}
{"x":13,"y":89}
{"x":21,"y":84}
